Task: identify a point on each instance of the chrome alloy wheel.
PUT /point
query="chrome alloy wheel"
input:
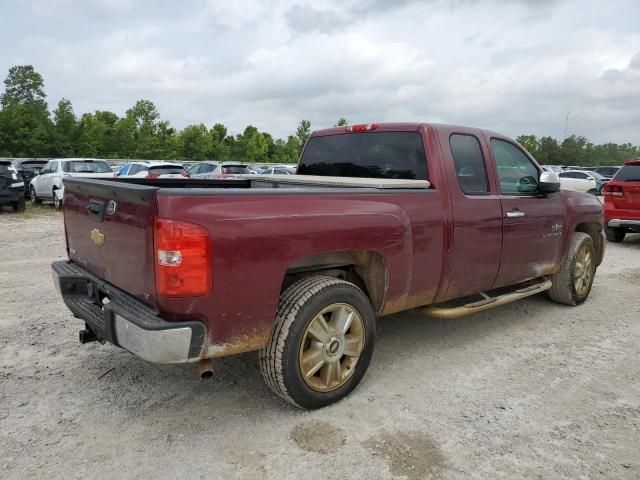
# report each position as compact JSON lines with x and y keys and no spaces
{"x":331,"y":347}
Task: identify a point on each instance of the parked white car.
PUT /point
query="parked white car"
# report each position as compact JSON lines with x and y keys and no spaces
{"x":578,"y":181}
{"x":153,"y":169}
{"x":47,"y":185}
{"x":211,"y":169}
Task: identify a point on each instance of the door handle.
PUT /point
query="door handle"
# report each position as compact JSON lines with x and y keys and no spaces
{"x":515,"y":214}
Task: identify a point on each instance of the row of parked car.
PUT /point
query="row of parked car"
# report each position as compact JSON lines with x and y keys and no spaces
{"x":42,"y":180}
{"x":583,"y":179}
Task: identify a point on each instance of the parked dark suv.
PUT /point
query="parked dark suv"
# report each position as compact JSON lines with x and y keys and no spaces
{"x":11,"y":186}
{"x":28,"y":168}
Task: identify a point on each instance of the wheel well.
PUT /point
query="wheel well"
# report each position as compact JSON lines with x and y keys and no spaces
{"x":594,"y":230}
{"x":363,"y":268}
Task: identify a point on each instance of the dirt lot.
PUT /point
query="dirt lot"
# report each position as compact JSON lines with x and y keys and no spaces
{"x":530,"y":390}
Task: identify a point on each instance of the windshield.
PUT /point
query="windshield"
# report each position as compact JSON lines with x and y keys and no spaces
{"x":629,"y":173}
{"x":366,"y":155}
{"x":236,"y":169}
{"x":595,"y":175}
{"x":86,"y":166}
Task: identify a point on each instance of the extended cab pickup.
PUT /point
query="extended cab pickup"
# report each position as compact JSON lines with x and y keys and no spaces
{"x":379,"y":219}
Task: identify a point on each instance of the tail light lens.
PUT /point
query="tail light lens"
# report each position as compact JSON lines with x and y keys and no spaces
{"x":613,"y":190}
{"x":152,"y":175}
{"x":185,"y":174}
{"x":184,"y":265}
{"x":363,"y":127}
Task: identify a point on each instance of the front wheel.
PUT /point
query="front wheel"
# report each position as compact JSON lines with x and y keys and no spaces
{"x":615,"y":234}
{"x":34,"y":198}
{"x":572,"y":283}
{"x":321,"y":343}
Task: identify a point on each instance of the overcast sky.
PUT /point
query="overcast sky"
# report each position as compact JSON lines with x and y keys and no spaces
{"x":514,"y":66}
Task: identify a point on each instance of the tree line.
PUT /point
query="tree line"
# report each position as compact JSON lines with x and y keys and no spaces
{"x":28,"y":129}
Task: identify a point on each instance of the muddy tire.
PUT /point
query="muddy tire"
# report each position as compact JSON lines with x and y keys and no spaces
{"x":572,"y":283}
{"x":34,"y":198}
{"x":321,"y":343}
{"x":615,"y":234}
{"x":18,"y":206}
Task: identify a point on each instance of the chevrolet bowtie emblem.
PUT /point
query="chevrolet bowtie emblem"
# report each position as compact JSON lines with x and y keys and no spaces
{"x":97,"y":236}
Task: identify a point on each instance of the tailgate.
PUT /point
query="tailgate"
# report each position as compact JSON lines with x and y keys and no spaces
{"x":109,"y":229}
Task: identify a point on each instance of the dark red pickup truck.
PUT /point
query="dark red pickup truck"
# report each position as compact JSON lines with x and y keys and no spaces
{"x":380,"y":219}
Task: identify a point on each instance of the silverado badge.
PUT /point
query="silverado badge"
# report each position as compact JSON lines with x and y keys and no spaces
{"x":97,"y":236}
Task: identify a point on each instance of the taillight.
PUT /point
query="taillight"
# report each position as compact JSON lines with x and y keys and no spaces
{"x":363,"y":127}
{"x":152,"y":175}
{"x":183,"y":259}
{"x":185,"y":174}
{"x":613,"y":190}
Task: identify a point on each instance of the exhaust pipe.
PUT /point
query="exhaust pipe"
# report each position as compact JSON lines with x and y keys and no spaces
{"x":205,"y":369}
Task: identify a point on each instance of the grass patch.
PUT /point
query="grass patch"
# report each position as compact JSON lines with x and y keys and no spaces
{"x":30,"y":211}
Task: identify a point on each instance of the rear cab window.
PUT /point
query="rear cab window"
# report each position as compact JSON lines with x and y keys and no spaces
{"x":366,"y":155}
{"x":469,"y":163}
{"x":518,"y":175}
{"x":86,"y":166}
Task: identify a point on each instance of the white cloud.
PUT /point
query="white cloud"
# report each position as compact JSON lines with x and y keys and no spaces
{"x":516,"y":67}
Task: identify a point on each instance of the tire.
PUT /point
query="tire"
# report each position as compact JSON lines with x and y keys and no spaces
{"x":572,"y":283}
{"x":615,"y":234}
{"x":300,"y":309}
{"x":19,"y":206}
{"x":57,"y":202}
{"x":34,"y":198}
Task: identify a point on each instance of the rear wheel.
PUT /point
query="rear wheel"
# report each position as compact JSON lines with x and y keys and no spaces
{"x":572,"y":283}
{"x":321,"y":343}
{"x":57,"y":201}
{"x":615,"y":234}
{"x":34,"y":198}
{"x":19,"y":205}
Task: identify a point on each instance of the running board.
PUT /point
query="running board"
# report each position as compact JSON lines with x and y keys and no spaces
{"x":486,"y":303}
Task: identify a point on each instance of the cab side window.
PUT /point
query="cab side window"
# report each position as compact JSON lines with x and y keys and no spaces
{"x":517,"y":174}
{"x":469,"y":163}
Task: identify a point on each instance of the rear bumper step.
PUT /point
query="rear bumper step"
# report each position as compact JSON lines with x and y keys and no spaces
{"x":119,"y":318}
{"x":620,"y":223}
{"x":489,"y":302}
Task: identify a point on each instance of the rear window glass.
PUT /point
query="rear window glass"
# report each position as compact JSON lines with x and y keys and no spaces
{"x":86,"y":166}
{"x":7,"y":168}
{"x":166,"y":170}
{"x":629,"y":173}
{"x":366,"y":155}
{"x":32,"y":166}
{"x":235,"y":169}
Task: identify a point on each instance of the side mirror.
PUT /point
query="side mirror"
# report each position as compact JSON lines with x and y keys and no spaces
{"x":549,"y":182}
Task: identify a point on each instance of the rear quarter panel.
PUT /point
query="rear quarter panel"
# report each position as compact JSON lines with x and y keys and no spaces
{"x":257,"y":237}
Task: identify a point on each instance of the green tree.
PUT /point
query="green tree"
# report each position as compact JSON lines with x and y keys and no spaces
{"x":195,"y":142}
{"x":23,"y":86}
{"x":65,"y":129}
{"x":303,"y":132}
{"x":26,"y":127}
{"x":342,"y":122}
{"x":530,"y":143}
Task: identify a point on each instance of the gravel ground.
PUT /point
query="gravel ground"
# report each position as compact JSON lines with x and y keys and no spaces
{"x":529,"y":390}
